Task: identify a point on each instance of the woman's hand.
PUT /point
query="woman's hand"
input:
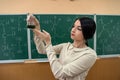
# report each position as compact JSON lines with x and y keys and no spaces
{"x":44,"y":35}
{"x":34,"y":20}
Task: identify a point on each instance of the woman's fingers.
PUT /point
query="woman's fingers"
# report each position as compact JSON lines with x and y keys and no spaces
{"x":38,"y":33}
{"x":32,"y":19}
{"x":45,"y":36}
{"x":45,"y":32}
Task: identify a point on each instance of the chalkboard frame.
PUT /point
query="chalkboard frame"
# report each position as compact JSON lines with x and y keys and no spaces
{"x":44,"y":59}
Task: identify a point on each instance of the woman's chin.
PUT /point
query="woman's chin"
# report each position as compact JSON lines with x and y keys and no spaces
{"x":72,"y":37}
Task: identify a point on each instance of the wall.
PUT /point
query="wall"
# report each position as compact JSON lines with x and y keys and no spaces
{"x":25,"y":71}
{"x":60,"y":6}
{"x":103,"y":69}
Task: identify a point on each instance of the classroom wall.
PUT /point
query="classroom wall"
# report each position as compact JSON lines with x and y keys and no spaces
{"x":60,"y":6}
{"x":103,"y":69}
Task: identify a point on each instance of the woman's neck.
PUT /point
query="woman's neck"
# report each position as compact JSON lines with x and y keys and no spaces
{"x":79,"y":44}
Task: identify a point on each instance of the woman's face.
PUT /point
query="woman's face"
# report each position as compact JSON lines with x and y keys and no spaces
{"x":76,"y":32}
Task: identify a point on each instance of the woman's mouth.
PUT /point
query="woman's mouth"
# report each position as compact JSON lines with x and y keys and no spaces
{"x":72,"y":34}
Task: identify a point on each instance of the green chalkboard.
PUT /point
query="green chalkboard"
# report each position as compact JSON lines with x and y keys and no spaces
{"x":14,"y":35}
{"x":13,"y":41}
{"x":108,"y":34}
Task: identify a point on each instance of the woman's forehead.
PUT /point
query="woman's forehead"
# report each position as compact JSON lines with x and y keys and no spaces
{"x":77,"y":22}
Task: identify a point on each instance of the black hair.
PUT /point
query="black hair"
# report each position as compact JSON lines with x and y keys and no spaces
{"x":88,"y":27}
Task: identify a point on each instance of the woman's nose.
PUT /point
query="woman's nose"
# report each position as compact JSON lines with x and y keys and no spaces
{"x":73,"y":29}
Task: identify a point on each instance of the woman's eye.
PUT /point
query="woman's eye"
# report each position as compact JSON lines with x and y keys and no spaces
{"x":79,"y":29}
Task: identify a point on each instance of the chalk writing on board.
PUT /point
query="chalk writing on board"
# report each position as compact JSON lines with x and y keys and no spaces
{"x":13,"y":34}
{"x":108,"y":28}
{"x":13,"y":37}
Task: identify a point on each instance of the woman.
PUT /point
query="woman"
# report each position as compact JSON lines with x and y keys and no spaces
{"x":75,"y":59}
